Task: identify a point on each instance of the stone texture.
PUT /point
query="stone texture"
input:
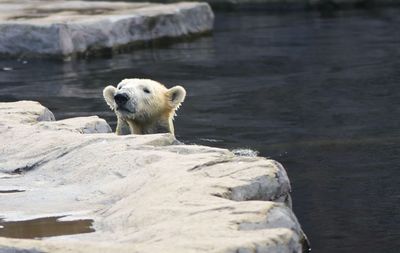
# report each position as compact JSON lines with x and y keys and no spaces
{"x":145,"y":193}
{"x":67,"y":28}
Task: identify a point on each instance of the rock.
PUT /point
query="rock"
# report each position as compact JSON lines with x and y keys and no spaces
{"x":143,"y":193}
{"x":84,"y":125}
{"x":47,"y":28}
{"x":24,"y":112}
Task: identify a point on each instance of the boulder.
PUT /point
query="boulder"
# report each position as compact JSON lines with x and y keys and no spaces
{"x":134,"y":193}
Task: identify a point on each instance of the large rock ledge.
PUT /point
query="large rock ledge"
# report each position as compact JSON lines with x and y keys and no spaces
{"x":146,"y":193}
{"x":48,"y":28}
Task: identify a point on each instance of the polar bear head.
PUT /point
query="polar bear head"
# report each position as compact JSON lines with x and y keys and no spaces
{"x":146,"y":106}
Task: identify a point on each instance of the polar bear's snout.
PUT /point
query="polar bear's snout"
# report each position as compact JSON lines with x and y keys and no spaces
{"x":121,"y":99}
{"x":125,"y":104}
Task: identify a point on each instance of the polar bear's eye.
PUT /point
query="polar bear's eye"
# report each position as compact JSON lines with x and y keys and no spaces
{"x":146,"y":90}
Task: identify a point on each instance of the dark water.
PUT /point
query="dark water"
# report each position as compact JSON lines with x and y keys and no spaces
{"x":319,"y":94}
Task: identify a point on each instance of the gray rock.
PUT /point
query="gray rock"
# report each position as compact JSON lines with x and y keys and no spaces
{"x":144,"y":193}
{"x":69,"y":28}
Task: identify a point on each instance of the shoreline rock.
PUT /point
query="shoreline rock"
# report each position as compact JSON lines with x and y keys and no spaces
{"x":144,"y":193}
{"x":64,"y":29}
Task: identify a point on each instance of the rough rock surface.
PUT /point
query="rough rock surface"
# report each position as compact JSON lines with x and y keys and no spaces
{"x":65,"y":28}
{"x":144,"y":193}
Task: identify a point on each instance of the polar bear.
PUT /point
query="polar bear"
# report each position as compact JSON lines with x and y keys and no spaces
{"x":144,"y":106}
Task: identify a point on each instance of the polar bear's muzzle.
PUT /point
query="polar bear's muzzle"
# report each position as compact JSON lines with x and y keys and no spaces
{"x":124,"y":103}
{"x":121,"y":99}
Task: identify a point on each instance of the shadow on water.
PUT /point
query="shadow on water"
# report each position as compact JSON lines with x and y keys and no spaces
{"x":44,"y":227}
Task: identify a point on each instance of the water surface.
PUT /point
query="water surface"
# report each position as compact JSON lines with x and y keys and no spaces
{"x":319,"y":94}
{"x":44,"y":227}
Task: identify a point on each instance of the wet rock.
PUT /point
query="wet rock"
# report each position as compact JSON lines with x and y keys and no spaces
{"x":48,"y":28}
{"x":142,"y":193}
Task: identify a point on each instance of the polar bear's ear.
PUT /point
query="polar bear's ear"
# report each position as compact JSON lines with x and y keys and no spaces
{"x":108,"y":94}
{"x":176,"y":96}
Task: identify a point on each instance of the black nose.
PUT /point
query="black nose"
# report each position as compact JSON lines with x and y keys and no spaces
{"x":121,"y":98}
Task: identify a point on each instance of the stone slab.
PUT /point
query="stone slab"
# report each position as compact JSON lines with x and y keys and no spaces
{"x":48,"y":28}
{"x":144,"y":193}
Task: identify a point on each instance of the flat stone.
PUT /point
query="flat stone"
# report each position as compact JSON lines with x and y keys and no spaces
{"x":68,"y":28}
{"x":144,"y":193}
